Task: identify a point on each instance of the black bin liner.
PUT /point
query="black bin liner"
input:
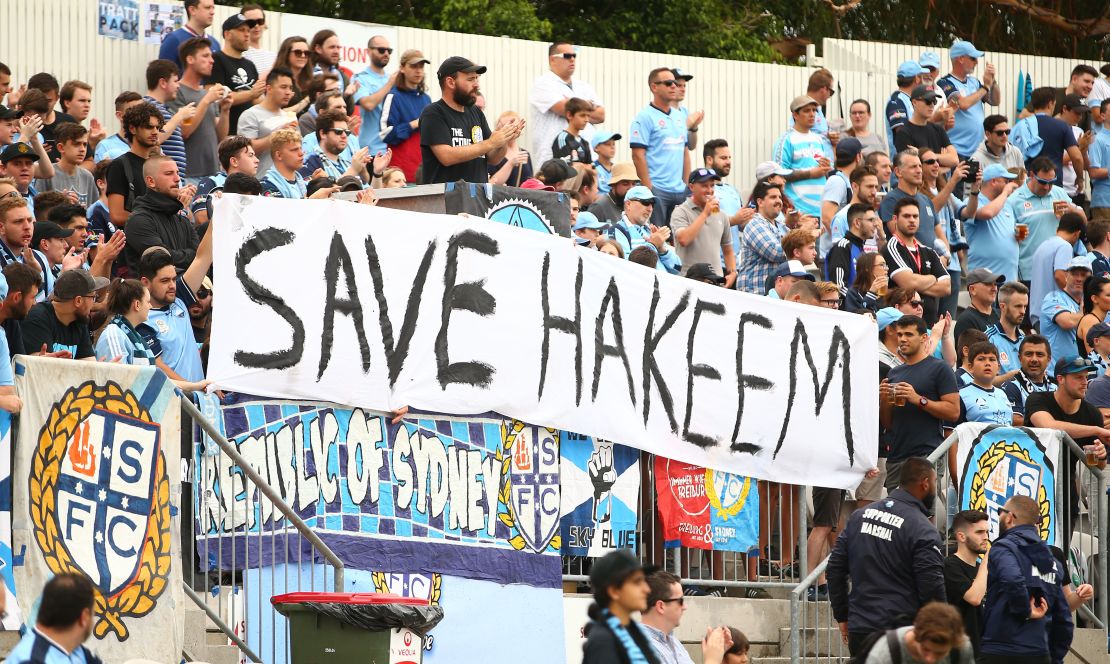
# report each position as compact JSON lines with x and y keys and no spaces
{"x":381,"y":617}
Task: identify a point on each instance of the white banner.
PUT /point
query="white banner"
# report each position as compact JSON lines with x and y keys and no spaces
{"x":379,"y":308}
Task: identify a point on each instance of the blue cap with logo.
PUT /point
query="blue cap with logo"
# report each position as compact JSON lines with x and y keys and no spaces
{"x":961,"y":48}
{"x":588,"y":221}
{"x":640,"y":194}
{"x":703,"y":175}
{"x":929,"y":60}
{"x":604,"y":137}
{"x":996,"y":171}
{"x":886,"y":316}
{"x":909,"y":69}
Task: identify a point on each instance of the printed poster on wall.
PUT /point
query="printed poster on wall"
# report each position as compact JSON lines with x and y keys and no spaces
{"x":601,"y":495}
{"x":95,"y":489}
{"x":160,"y":19}
{"x":997,"y":462}
{"x":706,"y":509}
{"x":118,"y":19}
{"x":476,"y":497}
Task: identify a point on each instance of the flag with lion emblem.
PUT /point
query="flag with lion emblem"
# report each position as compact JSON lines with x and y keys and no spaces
{"x":95,"y":492}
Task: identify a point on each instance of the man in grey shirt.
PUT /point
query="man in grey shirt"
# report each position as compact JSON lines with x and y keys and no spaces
{"x":267,"y":116}
{"x":701,"y":230}
{"x":936,"y":636}
{"x":204,"y":131}
{"x":72,"y":144}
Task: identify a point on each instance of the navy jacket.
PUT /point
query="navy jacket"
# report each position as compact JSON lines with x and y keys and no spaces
{"x":892,"y":554}
{"x":1020,"y":565}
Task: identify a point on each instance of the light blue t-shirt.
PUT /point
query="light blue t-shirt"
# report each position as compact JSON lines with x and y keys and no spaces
{"x":663,"y":136}
{"x":1060,"y":340}
{"x":370,"y":82}
{"x":603,"y":175}
{"x":1008,"y":357}
{"x":967,"y":133}
{"x":1098,"y":154}
{"x":990,"y":406}
{"x":992,"y":242}
{"x":1054,"y":254}
{"x":837,"y":190}
{"x":1036,"y":212}
{"x":731,"y":202}
{"x":52,"y":653}
{"x":820,"y":124}
{"x":797,"y":150}
{"x":110,"y":148}
{"x":173,"y":329}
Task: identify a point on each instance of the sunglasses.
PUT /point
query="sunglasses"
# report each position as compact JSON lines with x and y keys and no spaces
{"x":203,"y":293}
{"x":670,"y":83}
{"x":1001,"y":132}
{"x":383,"y":51}
{"x":568,"y":56}
{"x":832,"y":304}
{"x":341,"y":132}
{"x":255,"y":22}
{"x":681,"y":600}
{"x":299,"y":52}
{"x":930,"y":162}
{"x":916,"y":303}
{"x":927,"y":102}
{"x":1003,"y":510}
{"x":649,"y":203}
{"x":1043,"y":181}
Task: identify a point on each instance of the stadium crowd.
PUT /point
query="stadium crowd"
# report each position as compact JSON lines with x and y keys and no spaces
{"x":978,"y":243}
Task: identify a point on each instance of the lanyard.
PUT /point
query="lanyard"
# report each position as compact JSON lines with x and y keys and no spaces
{"x":914,"y":253}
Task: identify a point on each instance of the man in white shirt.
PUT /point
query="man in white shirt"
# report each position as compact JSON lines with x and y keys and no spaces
{"x":549,"y":95}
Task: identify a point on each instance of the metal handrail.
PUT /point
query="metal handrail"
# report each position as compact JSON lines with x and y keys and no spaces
{"x":268,"y":491}
{"x":796,"y":608}
{"x":243,"y":647}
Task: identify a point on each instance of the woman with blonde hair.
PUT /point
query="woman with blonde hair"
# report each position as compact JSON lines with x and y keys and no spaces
{"x":516,"y":167}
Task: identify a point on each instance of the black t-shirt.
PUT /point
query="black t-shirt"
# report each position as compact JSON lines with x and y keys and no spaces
{"x":43,"y":327}
{"x":930,"y":136}
{"x":14,"y":332}
{"x":922,"y":260}
{"x":958,"y":577}
{"x":914,"y":432}
{"x":48,"y":130}
{"x":119,"y":183}
{"x":1087,"y":414}
{"x":973,"y":319}
{"x":442,"y":125}
{"x":239,"y":74}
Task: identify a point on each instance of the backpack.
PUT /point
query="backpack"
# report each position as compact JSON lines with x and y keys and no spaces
{"x":892,"y":643}
{"x":128,"y":170}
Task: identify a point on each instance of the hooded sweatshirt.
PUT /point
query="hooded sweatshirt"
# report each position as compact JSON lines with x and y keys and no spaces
{"x":1020,"y":567}
{"x":158,"y":220}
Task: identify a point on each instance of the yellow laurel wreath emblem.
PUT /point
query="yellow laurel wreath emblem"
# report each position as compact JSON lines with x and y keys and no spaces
{"x":381,"y":585}
{"x":505,"y":456}
{"x":715,"y":500}
{"x":138,"y":598}
{"x":987,"y":461}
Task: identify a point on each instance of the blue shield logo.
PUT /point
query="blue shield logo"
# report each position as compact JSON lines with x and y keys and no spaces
{"x":534,"y":488}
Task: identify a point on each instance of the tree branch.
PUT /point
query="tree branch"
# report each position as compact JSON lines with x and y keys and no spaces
{"x":843,"y":9}
{"x":1086,"y":27}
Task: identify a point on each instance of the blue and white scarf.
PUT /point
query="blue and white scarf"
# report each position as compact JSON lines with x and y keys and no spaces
{"x":635,"y":655}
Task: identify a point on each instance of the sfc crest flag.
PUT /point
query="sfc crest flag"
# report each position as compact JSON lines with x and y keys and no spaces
{"x":92,"y":492}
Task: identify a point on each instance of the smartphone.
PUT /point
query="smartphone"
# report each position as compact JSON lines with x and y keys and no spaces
{"x":972,"y":171}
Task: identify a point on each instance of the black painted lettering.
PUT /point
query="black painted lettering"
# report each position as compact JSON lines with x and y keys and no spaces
{"x":257,"y":244}
{"x":397,"y":351}
{"x":745,"y":381}
{"x":468,"y":296}
{"x":616,"y":349}
{"x":651,"y":344}
{"x":698,"y":371}
{"x":839,"y":352}
{"x":562,"y":324}
{"x":339,"y":259}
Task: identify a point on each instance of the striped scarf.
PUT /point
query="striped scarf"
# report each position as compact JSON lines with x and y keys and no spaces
{"x":139,"y":348}
{"x":635,"y":655}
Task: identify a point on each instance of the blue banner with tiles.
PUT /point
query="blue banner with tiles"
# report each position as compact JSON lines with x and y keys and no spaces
{"x":476,"y":497}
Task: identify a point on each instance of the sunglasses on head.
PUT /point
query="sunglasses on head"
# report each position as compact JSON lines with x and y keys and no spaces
{"x":568,"y":56}
{"x":299,"y":52}
{"x":1000,"y":132}
{"x":383,"y":50}
{"x":670,"y":83}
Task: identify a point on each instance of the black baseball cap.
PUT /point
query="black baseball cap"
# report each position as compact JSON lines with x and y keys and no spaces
{"x":1075,"y":103}
{"x":16,"y":151}
{"x":703,"y":175}
{"x":1074,"y":365}
{"x":234,"y":21}
{"x":923,"y":92}
{"x":703,"y":272}
{"x":455,"y":64}
{"x":77,"y":283}
{"x":9,"y":113}
{"x":47,"y":230}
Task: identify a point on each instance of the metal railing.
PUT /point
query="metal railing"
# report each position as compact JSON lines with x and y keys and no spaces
{"x":241,"y":542}
{"x":1085,"y":537}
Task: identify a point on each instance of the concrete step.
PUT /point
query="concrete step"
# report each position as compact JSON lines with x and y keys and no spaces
{"x":194,"y":643}
{"x":815,"y":642}
{"x":222,"y":655}
{"x":215,"y":637}
{"x":1088,"y":646}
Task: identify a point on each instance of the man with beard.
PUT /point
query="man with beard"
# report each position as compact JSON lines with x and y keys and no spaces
{"x":891,"y":553}
{"x":24,"y":283}
{"x":332,"y":130}
{"x":1034,"y":353}
{"x":914,"y":264}
{"x":168,"y":330}
{"x":1006,"y":334}
{"x":62,"y":323}
{"x":373,"y":85}
{"x":142,"y":124}
{"x":608,"y":208}
{"x":1026,"y":618}
{"x":718,"y":156}
{"x":64,"y":622}
{"x":17,"y":228}
{"x":200,"y":312}
{"x":455,"y":140}
{"x":159,"y":218}
{"x":1068,"y":410}
{"x":965,"y":577}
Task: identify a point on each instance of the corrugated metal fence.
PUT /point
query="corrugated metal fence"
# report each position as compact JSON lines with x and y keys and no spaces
{"x":744,"y":102}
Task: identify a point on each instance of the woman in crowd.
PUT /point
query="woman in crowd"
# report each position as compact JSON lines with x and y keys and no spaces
{"x":859,"y":114}
{"x":393,"y":178}
{"x":129,"y":306}
{"x":294,"y":54}
{"x":909,"y":302}
{"x":870,"y":285}
{"x":516,"y":167}
{"x":608,"y":246}
{"x":738,"y":653}
{"x":1096,"y":304}
{"x":401,"y":111}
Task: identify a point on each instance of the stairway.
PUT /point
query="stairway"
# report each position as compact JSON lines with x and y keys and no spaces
{"x":204,"y":642}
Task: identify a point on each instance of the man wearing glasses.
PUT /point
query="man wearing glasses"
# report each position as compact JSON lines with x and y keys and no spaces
{"x":658,"y":142}
{"x":996,"y":147}
{"x":373,"y":85}
{"x":1039,"y":206}
{"x":549,"y":96}
{"x":968,"y":95}
{"x":665,"y":607}
{"x":920,"y":132}
{"x":331,"y":128}
{"x":635,"y":230}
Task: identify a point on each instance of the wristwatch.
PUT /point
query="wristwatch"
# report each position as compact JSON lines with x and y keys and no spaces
{"x":923,"y":402}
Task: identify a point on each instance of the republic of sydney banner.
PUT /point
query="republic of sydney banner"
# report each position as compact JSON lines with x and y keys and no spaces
{"x":996,"y":462}
{"x":474,"y":497}
{"x":462,"y":315}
